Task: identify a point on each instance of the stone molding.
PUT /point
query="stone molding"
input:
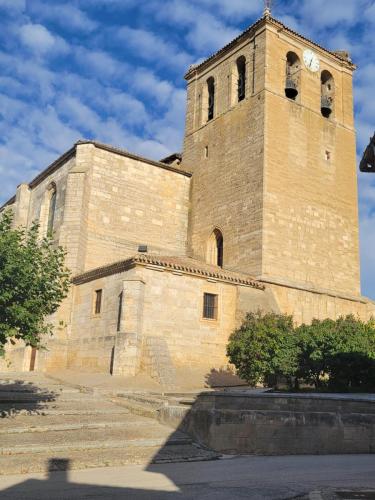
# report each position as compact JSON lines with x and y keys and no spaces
{"x":259,"y":23}
{"x":183,"y":265}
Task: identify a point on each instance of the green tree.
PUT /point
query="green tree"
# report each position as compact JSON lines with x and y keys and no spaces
{"x":264,"y":348}
{"x":33,"y":282}
{"x":339,"y":355}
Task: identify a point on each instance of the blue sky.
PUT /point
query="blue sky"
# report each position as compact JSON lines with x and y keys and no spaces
{"x":112,"y":70}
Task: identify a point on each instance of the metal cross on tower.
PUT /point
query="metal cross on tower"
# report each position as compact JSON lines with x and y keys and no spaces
{"x":267,"y":7}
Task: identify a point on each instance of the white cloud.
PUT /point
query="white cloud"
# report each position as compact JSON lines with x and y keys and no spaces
{"x":325,"y":14}
{"x":152,"y":47}
{"x":13,"y":5}
{"x":38,"y":39}
{"x":66,"y":15}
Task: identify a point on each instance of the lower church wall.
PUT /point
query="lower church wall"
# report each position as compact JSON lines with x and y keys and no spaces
{"x":305,"y":305}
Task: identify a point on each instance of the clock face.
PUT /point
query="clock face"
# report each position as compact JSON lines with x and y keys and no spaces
{"x":311,"y":61}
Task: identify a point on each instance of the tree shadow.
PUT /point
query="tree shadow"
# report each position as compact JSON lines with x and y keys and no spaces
{"x":19,"y":397}
{"x":224,"y":377}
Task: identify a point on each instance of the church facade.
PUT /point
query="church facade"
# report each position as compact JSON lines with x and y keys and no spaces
{"x":259,"y":212}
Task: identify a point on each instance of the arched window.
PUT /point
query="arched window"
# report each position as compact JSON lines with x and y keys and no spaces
{"x":328,"y":93}
{"x":215,"y":248}
{"x":211,"y":98}
{"x":51,"y":208}
{"x":293,"y":68}
{"x":241,"y":81}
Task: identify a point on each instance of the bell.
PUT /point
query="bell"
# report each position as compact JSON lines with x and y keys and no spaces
{"x":291,"y":90}
{"x":326,"y":106}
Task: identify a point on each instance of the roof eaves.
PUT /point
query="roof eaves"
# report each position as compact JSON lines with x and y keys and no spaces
{"x":46,"y":172}
{"x":254,"y":26}
{"x":154,"y":260}
{"x":124,"y":152}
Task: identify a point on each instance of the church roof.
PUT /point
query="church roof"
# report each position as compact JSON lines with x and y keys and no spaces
{"x":71,"y":153}
{"x":183,"y":265}
{"x":340,"y":55}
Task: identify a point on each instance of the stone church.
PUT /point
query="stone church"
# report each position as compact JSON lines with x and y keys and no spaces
{"x":260,"y":211}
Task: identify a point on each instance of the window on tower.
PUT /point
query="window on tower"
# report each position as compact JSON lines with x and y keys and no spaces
{"x":293,"y":69}
{"x":241,"y":78}
{"x":327,"y":94}
{"x":215,"y":248}
{"x":211,"y":98}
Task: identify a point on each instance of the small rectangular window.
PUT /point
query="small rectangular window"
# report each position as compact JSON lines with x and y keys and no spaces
{"x":206,"y":152}
{"x":98,"y":301}
{"x":210,"y":306}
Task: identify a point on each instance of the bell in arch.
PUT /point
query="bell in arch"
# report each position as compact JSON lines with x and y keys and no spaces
{"x":291,"y":90}
{"x":326,"y":106}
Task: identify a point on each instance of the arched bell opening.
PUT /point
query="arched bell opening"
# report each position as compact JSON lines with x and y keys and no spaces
{"x":327,"y":94}
{"x":293,"y":67}
{"x":211,"y":98}
{"x":241,"y":78}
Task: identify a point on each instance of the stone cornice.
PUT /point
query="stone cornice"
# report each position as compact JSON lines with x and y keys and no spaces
{"x":182,"y":265}
{"x":251,"y":30}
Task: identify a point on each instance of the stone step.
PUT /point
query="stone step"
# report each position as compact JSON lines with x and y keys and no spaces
{"x":153,"y":401}
{"x":66,"y":426}
{"x":61,"y":406}
{"x":114,"y":457}
{"x":33,"y":442}
{"x":89,"y":440}
{"x":24,"y":397}
{"x":136,"y":408}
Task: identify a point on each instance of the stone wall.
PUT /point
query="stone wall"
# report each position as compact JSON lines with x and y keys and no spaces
{"x":277,"y":424}
{"x":162,"y":319}
{"x":227,"y":185}
{"x":310,"y":232}
{"x":131,"y":203}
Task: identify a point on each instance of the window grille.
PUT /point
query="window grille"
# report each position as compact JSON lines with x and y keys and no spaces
{"x":98,"y":301}
{"x":210,"y":306}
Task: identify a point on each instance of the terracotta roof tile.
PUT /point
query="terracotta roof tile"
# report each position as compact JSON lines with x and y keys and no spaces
{"x":185,"y":265}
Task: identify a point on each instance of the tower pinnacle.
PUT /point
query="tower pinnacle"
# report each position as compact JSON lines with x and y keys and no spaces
{"x":267,"y":8}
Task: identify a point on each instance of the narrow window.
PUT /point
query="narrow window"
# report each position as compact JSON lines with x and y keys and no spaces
{"x":241,"y":82}
{"x":210,"y":306}
{"x":293,"y":67}
{"x":119,"y":314}
{"x":206,"y":152}
{"x":211,"y":98}
{"x":51,"y":210}
{"x":328,"y":93}
{"x":98,"y":301}
{"x":215,"y":248}
{"x":219,"y":248}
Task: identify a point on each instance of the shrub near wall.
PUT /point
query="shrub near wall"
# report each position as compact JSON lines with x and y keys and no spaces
{"x":327,"y":354}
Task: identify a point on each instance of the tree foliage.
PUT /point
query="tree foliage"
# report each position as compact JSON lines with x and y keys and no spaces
{"x":328,"y":354}
{"x":263,"y":347}
{"x":33,"y":282}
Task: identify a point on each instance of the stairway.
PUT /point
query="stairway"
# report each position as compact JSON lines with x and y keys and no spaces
{"x":44,"y":422}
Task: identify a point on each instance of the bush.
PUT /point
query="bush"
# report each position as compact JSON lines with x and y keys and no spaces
{"x":336,"y":355}
{"x":264,"y":348}
{"x":339,"y":355}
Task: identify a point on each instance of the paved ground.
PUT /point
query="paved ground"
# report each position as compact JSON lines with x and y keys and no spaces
{"x":236,"y":478}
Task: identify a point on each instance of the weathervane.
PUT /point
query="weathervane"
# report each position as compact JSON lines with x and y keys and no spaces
{"x":267,"y":7}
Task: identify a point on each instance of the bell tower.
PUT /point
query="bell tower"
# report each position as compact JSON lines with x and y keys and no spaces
{"x":270,"y":141}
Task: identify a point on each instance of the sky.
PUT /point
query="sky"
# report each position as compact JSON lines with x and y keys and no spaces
{"x":112,"y":70}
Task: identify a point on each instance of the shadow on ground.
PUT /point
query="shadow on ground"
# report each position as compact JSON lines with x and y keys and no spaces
{"x":19,"y":397}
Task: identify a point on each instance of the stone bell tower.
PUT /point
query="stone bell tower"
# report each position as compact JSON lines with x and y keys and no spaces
{"x":270,"y":140}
